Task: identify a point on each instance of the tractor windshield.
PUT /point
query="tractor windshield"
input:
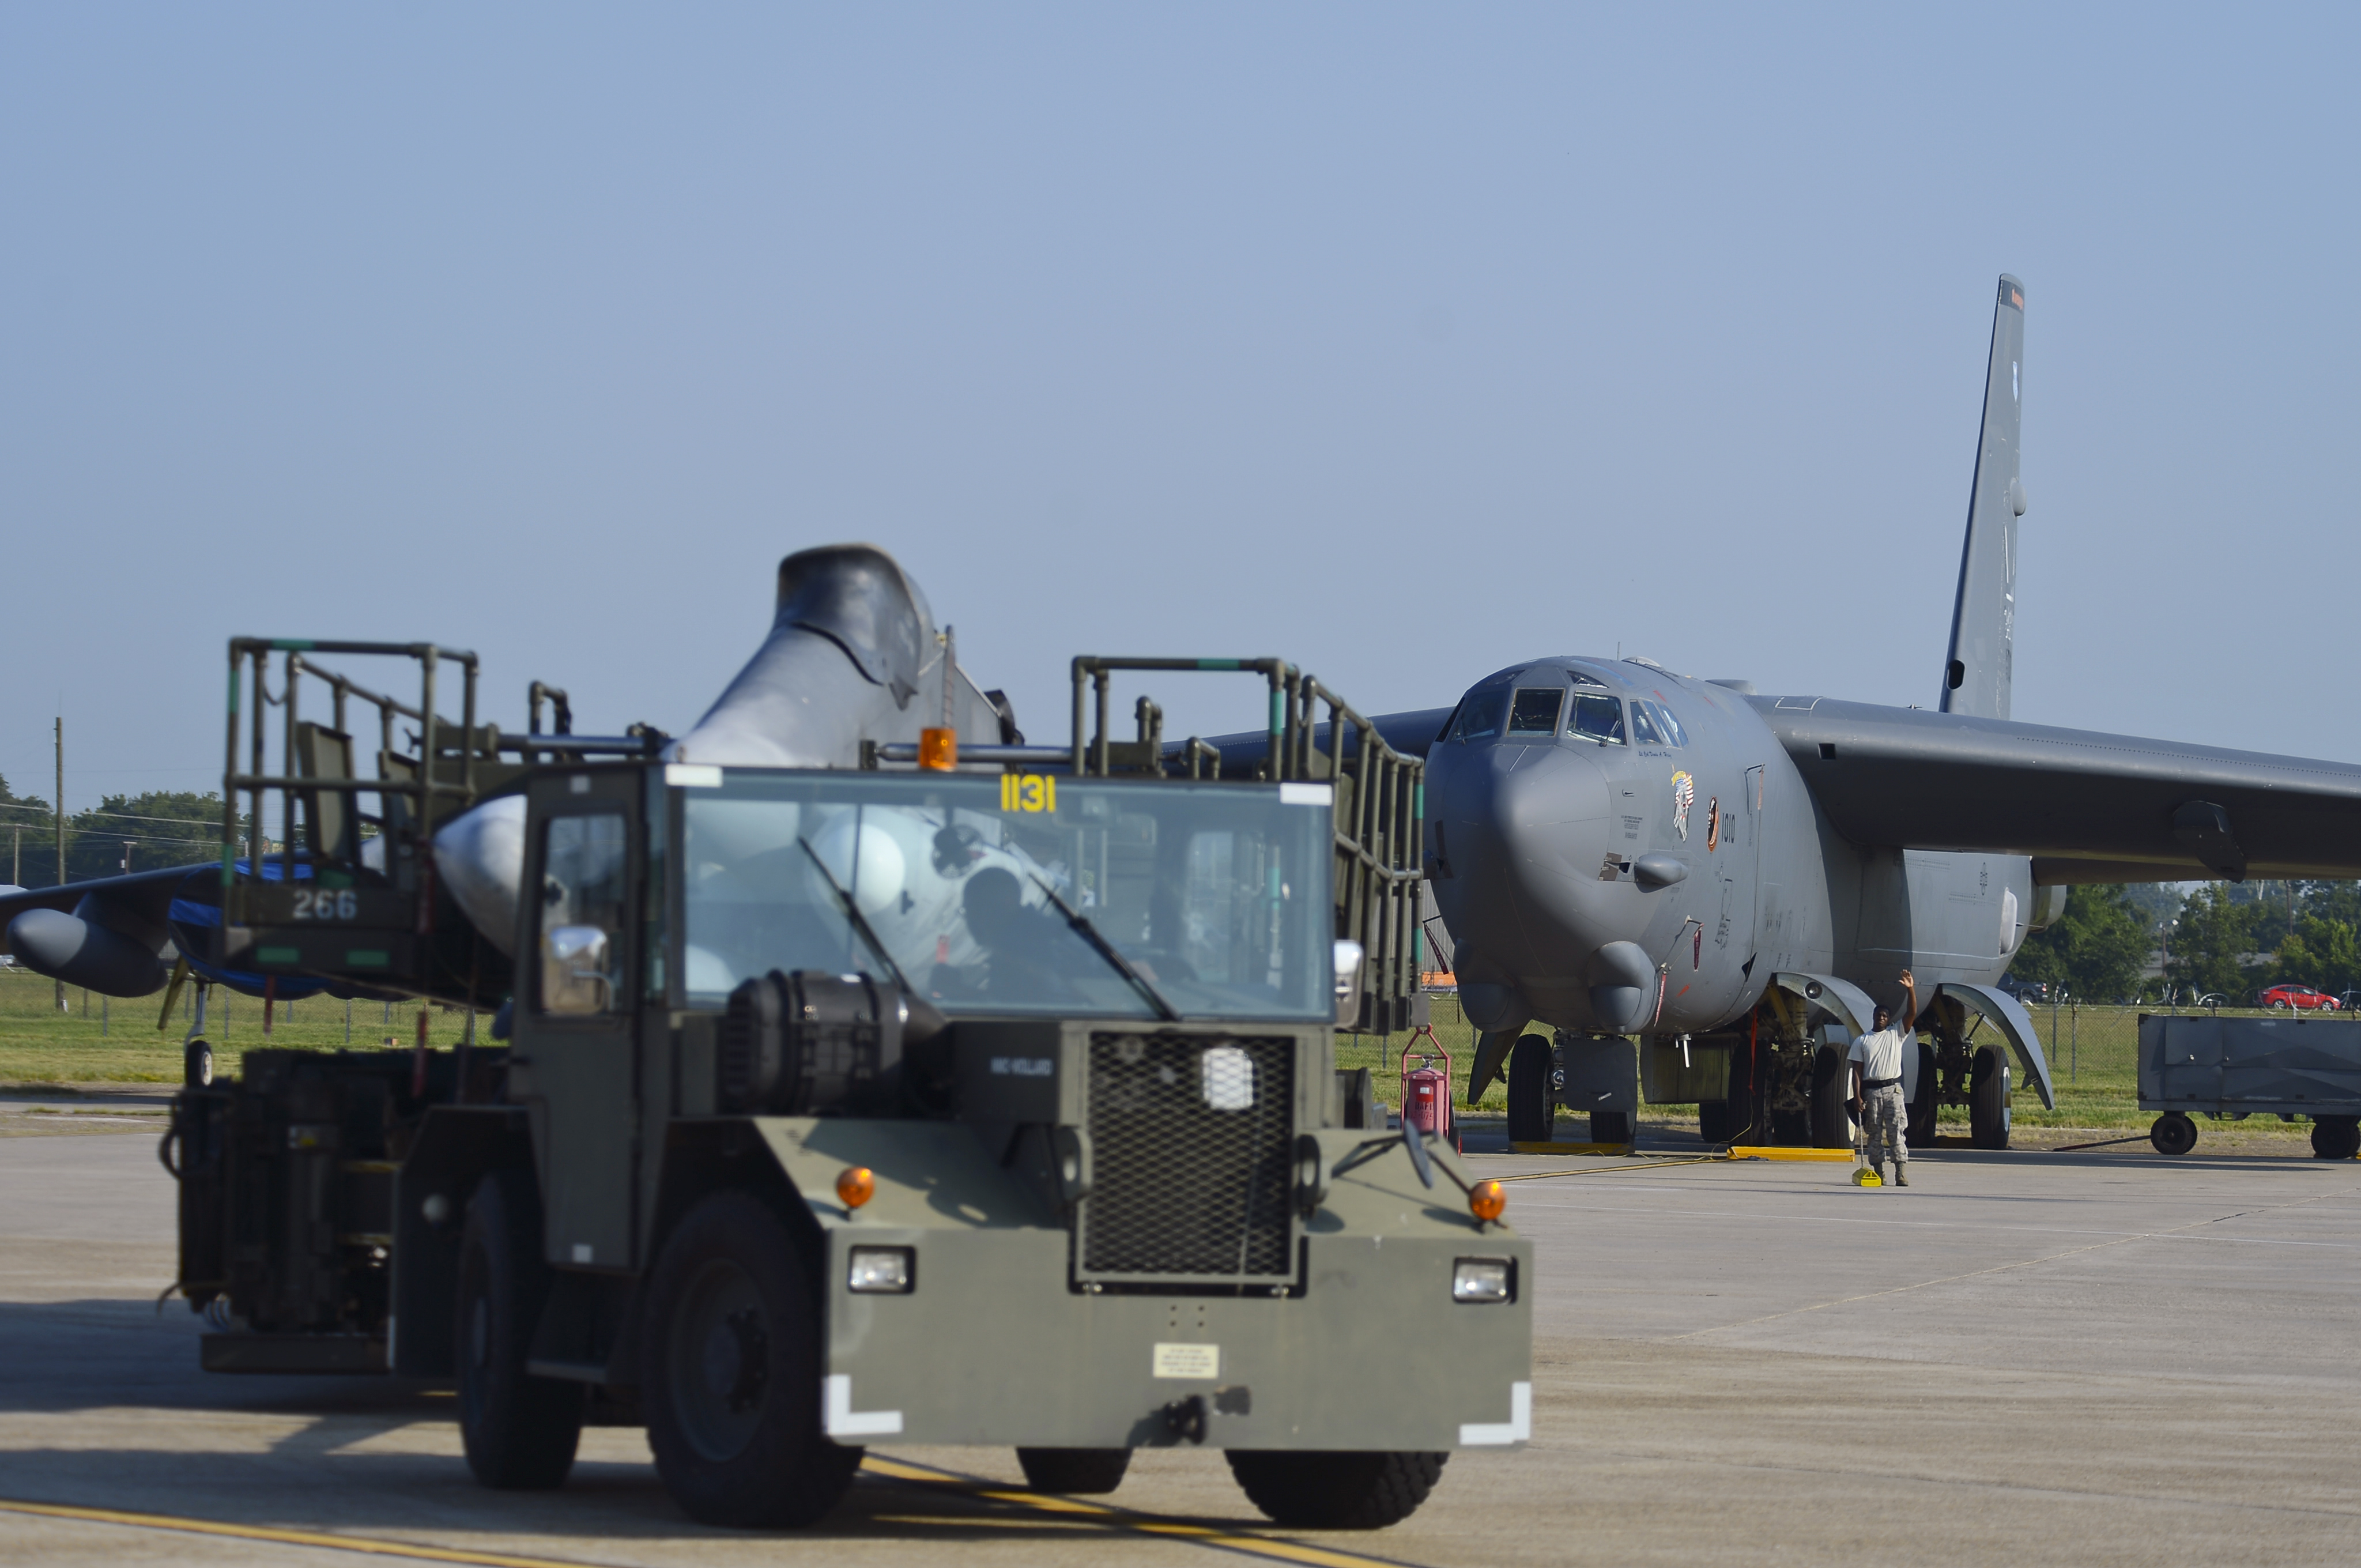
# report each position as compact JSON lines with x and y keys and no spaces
{"x":1217,"y":896}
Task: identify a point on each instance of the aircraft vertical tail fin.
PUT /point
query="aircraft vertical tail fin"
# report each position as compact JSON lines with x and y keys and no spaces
{"x":1984,"y":617}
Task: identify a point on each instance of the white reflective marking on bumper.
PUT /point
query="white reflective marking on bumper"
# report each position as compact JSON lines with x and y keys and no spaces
{"x":1517,"y":1427}
{"x":840,"y":1419}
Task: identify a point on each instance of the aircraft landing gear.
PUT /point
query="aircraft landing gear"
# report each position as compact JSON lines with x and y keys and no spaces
{"x":1533,"y":1098}
{"x":1988,"y":1100}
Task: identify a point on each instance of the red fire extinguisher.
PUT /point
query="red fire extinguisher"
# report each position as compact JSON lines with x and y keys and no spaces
{"x":1425,"y":1092}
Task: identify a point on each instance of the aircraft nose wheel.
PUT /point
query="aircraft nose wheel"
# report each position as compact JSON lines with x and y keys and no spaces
{"x":2173,"y":1134}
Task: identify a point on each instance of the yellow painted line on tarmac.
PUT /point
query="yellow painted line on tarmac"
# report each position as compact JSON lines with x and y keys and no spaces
{"x":370,"y":1545}
{"x":1788,"y":1151}
{"x":1120,"y":1521}
{"x":1610,"y":1169}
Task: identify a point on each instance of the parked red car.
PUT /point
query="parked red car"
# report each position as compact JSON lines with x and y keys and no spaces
{"x":2297,"y":999}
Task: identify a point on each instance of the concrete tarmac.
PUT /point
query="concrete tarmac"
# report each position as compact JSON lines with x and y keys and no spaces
{"x":2091,"y":1358}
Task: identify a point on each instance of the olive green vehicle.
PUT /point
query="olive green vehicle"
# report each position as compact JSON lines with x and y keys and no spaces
{"x":995,"y":1103}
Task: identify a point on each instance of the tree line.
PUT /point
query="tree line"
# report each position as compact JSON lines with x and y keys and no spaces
{"x":2232,"y":939}
{"x":141,"y":832}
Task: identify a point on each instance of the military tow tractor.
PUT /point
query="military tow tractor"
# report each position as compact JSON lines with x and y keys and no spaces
{"x":976,"y":1094}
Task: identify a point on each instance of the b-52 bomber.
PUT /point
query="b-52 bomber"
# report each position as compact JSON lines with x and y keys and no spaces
{"x":1727,"y":882}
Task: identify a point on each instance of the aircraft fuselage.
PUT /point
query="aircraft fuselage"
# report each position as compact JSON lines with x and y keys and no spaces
{"x":1620,"y":850}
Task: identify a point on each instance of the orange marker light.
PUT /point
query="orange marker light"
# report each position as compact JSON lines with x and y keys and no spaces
{"x":938,"y":748}
{"x":1487,"y":1200}
{"x":858,"y":1185}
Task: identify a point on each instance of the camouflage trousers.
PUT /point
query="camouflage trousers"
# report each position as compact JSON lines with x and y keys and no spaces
{"x":1885,"y":1126}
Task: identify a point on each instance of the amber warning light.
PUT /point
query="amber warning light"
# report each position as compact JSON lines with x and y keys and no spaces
{"x":856,"y":1186}
{"x":938,"y":749}
{"x":1487,"y":1201}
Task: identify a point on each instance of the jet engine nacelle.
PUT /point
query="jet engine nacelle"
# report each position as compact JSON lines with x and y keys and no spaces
{"x":81,"y":951}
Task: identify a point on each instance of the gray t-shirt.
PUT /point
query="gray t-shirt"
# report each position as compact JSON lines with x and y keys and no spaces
{"x":1880,"y":1054}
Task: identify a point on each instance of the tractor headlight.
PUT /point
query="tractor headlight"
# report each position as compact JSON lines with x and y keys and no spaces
{"x":881,"y":1271}
{"x":1484,"y":1280}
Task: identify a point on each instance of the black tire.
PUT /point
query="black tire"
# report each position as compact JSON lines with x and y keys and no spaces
{"x":1335,"y":1491}
{"x":1533,"y":1102}
{"x":1926,"y":1110}
{"x":197,"y":1065}
{"x":1713,"y":1121}
{"x":731,"y":1295}
{"x":2337,"y":1137}
{"x":1988,"y":1100}
{"x":520,"y":1432}
{"x":2173,"y":1134}
{"x":1083,"y":1472}
{"x":1831,"y":1088}
{"x":1610,"y":1126}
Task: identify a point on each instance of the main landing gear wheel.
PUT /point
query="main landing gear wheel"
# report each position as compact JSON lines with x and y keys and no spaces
{"x":1927,"y":1107}
{"x":520,"y":1432}
{"x":1335,"y":1491}
{"x":1988,"y":1100}
{"x":1832,"y":1087}
{"x":2337,"y":1137}
{"x":1532,"y":1103}
{"x":2175,"y":1133}
{"x":730,"y":1382}
{"x":1086,"y":1472}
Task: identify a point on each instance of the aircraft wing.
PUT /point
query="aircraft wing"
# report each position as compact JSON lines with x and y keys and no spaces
{"x":148,"y":894}
{"x":2088,"y":808}
{"x":1410,"y":733}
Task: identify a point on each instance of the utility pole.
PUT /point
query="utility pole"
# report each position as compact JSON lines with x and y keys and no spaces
{"x":61,"y":830}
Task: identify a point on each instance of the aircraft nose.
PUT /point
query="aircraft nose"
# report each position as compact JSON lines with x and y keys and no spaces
{"x":1523,"y":829}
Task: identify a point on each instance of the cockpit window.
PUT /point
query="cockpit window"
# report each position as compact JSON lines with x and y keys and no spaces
{"x":1480,"y":713}
{"x":1580,"y":679}
{"x":1535,"y":710}
{"x":1598,"y":718}
{"x":1643,"y":725}
{"x":1670,"y":724}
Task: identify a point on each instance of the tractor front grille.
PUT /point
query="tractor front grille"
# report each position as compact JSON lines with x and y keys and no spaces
{"x":1191,"y":1137}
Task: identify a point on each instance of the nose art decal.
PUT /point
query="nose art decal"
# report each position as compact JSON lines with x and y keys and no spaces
{"x":1684,"y":796}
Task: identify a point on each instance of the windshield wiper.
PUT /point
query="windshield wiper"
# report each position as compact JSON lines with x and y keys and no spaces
{"x":853,"y":917}
{"x":1115,"y":960}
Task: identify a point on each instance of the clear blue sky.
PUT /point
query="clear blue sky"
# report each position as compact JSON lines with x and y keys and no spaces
{"x":1403,"y":341}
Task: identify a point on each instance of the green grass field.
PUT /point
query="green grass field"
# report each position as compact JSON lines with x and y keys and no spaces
{"x":2093,"y":1059}
{"x":96,"y":1041}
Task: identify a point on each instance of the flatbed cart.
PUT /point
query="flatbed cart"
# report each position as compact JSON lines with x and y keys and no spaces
{"x":2231,"y":1069}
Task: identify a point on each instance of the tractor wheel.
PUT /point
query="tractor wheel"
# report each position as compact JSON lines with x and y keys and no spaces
{"x":1087,"y":1472}
{"x":1335,"y":1491}
{"x":2173,"y":1134}
{"x":1532,"y":1103}
{"x":1832,"y":1087}
{"x":732,"y":1377}
{"x":2337,"y":1137}
{"x":1988,"y":1100}
{"x":1927,"y":1108}
{"x":518,"y":1431}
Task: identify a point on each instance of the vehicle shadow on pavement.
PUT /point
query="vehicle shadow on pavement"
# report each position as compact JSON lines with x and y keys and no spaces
{"x":311,"y":1480}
